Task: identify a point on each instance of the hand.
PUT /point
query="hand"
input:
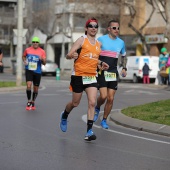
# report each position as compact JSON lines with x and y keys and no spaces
{"x":25,"y":62}
{"x":104,"y":66}
{"x":1,"y":64}
{"x":74,"y":55}
{"x":123,"y":73}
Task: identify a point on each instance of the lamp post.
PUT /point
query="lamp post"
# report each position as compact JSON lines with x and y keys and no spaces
{"x":63,"y":37}
{"x":19,"y":43}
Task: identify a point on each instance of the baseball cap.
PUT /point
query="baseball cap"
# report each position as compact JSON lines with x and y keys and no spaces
{"x":36,"y":39}
{"x":163,"y":50}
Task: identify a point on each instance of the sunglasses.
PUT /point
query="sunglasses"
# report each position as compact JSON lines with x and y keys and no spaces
{"x":115,"y":28}
{"x":92,"y":26}
{"x":35,"y":42}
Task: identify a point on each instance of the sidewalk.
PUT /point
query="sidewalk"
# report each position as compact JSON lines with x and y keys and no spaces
{"x":121,"y":119}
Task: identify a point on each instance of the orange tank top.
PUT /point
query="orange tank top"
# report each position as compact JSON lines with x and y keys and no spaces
{"x":86,"y":64}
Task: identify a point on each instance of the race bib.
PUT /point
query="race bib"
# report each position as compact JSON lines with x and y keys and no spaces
{"x":32,"y":66}
{"x":110,"y":76}
{"x":89,"y":79}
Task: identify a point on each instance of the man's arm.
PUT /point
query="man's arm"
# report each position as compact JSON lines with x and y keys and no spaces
{"x":124,"y":62}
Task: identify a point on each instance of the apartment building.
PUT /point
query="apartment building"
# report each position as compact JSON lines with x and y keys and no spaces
{"x":7,"y":23}
{"x":153,"y":31}
{"x":71,"y":17}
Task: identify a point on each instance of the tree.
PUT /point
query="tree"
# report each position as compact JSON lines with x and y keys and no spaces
{"x":165,"y":13}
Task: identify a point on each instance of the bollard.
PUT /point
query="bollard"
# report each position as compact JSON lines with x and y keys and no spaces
{"x":57,"y":74}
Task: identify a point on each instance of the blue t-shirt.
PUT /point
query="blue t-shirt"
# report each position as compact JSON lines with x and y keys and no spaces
{"x":111,"y":49}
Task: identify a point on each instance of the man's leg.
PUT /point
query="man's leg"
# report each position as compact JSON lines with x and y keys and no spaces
{"x":76,"y":97}
{"x":100,"y":100}
{"x":91,"y":96}
{"x":109,"y":102}
{"x":108,"y":107}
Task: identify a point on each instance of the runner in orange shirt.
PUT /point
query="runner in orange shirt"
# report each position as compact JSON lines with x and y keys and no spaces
{"x":85,"y":52}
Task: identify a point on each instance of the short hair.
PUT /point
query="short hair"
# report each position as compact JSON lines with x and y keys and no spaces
{"x":113,"y":20}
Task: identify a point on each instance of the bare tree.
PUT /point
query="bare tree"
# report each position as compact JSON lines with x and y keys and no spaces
{"x":133,"y":17}
{"x":165,"y":15}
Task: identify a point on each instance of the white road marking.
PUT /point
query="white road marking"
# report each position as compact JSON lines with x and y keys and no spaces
{"x":84,"y":118}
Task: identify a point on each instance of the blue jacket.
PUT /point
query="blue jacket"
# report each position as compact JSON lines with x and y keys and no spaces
{"x":163,"y":58}
{"x":145,"y":69}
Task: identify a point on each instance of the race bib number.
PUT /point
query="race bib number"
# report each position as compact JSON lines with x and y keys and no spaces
{"x":110,"y":76}
{"x":89,"y":79}
{"x":32,"y":66}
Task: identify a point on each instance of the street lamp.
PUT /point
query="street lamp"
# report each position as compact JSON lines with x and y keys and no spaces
{"x":19,"y":44}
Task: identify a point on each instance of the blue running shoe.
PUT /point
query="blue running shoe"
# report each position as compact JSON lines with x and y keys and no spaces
{"x":90,"y":136}
{"x":63,"y":123}
{"x":96,"y":114}
{"x":104,"y":124}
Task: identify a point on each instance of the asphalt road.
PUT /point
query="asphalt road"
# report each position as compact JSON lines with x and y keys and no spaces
{"x":32,"y":140}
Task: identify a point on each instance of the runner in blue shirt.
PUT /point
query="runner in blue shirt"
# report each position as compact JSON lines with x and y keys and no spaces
{"x":112,"y":47}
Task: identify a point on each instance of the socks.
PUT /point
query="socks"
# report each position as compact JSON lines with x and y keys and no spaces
{"x":89,"y":125}
{"x":65,"y":114}
{"x":28,"y":92}
{"x":34,"y":96}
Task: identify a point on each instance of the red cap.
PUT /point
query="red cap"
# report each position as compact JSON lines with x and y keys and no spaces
{"x":91,"y":20}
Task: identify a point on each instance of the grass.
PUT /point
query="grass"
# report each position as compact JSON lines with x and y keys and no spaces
{"x":9,"y":84}
{"x":157,"y":112}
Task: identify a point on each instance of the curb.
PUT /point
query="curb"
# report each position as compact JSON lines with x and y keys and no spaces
{"x":11,"y":89}
{"x":121,"y":119}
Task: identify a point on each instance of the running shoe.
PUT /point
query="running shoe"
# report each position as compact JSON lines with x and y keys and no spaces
{"x":33,"y":106}
{"x":96,"y":114}
{"x":63,"y":123}
{"x":90,"y":136}
{"x":28,"y":107}
{"x":104,"y":124}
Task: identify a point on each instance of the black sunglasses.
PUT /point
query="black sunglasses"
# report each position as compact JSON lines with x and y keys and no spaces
{"x":115,"y":28}
{"x":35,"y":42}
{"x":92,"y":26}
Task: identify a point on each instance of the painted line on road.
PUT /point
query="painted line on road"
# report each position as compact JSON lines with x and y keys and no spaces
{"x":84,"y":118}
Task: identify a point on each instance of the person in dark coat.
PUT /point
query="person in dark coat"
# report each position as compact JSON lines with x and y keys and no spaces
{"x":146,"y":70}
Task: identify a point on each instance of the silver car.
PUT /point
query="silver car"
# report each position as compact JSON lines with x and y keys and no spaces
{"x":49,"y":68}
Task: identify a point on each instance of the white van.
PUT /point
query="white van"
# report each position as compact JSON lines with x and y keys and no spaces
{"x":135,"y":65}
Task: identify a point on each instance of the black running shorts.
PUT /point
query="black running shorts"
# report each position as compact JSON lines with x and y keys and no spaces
{"x":32,"y":76}
{"x":103,"y":83}
{"x":78,"y":86}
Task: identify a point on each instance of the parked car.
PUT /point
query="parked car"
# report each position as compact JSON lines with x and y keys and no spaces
{"x":49,"y":68}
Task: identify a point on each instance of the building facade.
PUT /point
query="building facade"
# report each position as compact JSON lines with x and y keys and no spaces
{"x":154,"y":29}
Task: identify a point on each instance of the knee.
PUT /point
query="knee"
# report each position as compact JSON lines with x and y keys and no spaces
{"x":75,"y":104}
{"x":110,"y":100}
{"x":92,"y":103}
{"x":103,"y":97}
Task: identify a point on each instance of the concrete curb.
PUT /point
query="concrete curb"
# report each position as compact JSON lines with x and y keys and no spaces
{"x":12,"y":89}
{"x":140,"y":125}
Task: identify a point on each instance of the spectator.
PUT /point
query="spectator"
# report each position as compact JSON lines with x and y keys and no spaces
{"x":146,"y":70}
{"x":162,"y":61}
{"x":168,"y":71}
{"x":1,"y":64}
